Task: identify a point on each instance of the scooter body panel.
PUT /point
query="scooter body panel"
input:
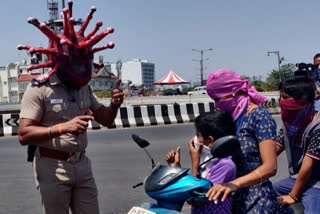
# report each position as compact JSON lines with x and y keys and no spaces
{"x":171,"y":187}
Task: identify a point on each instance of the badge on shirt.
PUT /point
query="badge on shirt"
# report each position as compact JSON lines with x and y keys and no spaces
{"x":56,"y":101}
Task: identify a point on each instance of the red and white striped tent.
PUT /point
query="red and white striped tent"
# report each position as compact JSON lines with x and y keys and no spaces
{"x":171,"y":79}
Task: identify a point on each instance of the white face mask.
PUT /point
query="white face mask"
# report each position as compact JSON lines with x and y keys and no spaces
{"x":205,"y":149}
{"x":205,"y":155}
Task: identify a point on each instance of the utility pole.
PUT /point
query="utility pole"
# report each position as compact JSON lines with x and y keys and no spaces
{"x":280,"y":59}
{"x":201,"y":62}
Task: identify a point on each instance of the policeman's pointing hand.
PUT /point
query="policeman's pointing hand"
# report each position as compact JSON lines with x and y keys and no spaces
{"x":116,"y":96}
{"x":77,"y":125}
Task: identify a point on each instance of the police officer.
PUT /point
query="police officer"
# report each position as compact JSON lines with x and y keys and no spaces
{"x":54,"y":116}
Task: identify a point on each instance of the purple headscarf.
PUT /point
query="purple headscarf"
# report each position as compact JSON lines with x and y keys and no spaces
{"x":225,"y":82}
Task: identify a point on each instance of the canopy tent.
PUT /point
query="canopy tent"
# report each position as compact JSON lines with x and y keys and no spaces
{"x":171,"y":79}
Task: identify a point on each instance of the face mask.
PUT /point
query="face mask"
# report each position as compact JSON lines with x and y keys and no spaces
{"x":290,"y":108}
{"x":205,"y":149}
{"x":296,"y":115}
{"x":233,"y":105}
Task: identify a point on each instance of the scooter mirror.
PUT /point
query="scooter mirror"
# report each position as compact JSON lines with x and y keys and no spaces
{"x":225,"y":146}
{"x":140,"y":141}
{"x":143,"y":143}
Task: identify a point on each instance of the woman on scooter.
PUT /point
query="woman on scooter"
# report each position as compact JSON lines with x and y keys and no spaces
{"x":209,"y":127}
{"x":256,"y":131}
{"x":300,"y":137}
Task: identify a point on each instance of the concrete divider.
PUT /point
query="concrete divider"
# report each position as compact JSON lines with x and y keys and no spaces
{"x":139,"y":116}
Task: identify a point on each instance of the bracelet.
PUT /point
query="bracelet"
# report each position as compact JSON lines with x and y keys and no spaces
{"x":294,"y":198}
{"x":49,"y":132}
{"x":60,"y":128}
{"x":259,"y":175}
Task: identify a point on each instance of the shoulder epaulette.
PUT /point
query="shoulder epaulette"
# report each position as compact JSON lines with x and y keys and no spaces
{"x":39,"y":80}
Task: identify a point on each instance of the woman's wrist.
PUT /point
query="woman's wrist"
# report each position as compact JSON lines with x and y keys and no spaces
{"x":293,"y":197}
{"x":237,"y":183}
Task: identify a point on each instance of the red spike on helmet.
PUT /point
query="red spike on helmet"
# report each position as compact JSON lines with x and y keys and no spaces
{"x":70,"y":54}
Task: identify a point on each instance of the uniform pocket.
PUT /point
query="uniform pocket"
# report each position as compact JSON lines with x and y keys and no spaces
{"x":55,"y":108}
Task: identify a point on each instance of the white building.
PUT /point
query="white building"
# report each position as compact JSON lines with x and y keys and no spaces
{"x":9,"y":87}
{"x":14,"y":79}
{"x":138,"y":72}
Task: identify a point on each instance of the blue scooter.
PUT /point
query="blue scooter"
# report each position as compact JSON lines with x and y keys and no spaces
{"x":171,"y":187}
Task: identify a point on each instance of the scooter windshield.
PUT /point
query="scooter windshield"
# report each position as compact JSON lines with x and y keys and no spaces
{"x":162,"y":176}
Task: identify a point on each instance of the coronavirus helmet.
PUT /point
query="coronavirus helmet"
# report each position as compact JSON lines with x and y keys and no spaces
{"x":70,"y":54}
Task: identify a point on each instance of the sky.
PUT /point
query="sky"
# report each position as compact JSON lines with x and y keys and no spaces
{"x":240,"y":32}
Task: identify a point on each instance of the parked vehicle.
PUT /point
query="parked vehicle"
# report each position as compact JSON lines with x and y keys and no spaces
{"x":171,"y":187}
{"x":198,"y":91}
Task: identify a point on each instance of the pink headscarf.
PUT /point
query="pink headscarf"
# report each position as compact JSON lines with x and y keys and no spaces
{"x":225,"y":82}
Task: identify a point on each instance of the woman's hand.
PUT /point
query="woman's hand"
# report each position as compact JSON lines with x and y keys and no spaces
{"x":173,"y":158}
{"x":223,"y":189}
{"x":285,"y":200}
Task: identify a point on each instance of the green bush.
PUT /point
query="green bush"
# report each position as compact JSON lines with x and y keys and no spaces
{"x":103,"y":93}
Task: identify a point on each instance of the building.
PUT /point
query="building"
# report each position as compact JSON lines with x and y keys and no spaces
{"x":136,"y":72}
{"x":15,"y":77}
{"x":9,"y":87}
{"x":105,"y":81}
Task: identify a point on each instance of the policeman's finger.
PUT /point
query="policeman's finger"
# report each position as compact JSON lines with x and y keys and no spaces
{"x":117,"y":84}
{"x":117,"y":90}
{"x":118,"y":94}
{"x":82,"y":124}
{"x":85,"y":117}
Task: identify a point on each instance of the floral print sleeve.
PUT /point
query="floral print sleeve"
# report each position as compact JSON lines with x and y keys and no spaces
{"x":280,"y":138}
{"x":313,"y":149}
{"x":265,"y":126}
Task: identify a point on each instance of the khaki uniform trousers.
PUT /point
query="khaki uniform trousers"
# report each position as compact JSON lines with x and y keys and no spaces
{"x":65,"y":185}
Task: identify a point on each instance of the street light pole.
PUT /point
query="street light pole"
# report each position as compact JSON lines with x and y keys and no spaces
{"x":280,"y":59}
{"x":201,"y":62}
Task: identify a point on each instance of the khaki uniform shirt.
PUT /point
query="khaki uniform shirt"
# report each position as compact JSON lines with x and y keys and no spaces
{"x":52,"y":103}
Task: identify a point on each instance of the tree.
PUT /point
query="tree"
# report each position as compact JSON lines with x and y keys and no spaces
{"x":257,"y":82}
{"x":273,"y":79}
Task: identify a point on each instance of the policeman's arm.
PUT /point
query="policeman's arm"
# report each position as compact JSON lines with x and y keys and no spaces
{"x":32,"y":133}
{"x":106,"y":115}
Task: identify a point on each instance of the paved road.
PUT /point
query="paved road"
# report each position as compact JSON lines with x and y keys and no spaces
{"x":117,"y":163}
